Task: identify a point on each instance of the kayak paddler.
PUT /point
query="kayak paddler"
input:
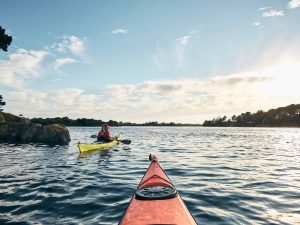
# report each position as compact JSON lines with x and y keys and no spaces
{"x":104,"y":134}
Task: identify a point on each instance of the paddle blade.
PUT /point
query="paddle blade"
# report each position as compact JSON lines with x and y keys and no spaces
{"x":126,"y":141}
{"x":94,"y":136}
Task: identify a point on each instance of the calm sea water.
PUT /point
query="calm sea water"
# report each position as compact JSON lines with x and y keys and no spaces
{"x":224,"y":175}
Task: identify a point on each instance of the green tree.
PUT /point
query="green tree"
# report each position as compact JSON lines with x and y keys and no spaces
{"x":288,"y":116}
{"x":5,"y":40}
{"x":2,"y":103}
{"x":233,"y":118}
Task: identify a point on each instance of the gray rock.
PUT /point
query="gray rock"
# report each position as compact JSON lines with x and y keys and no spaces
{"x":14,"y":129}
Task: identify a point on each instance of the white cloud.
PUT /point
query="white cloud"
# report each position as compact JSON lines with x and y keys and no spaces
{"x":56,"y":80}
{"x":184,"y":40}
{"x":256,"y":24}
{"x":24,"y":65}
{"x":166,"y":57}
{"x":180,"y":50}
{"x":188,"y":99}
{"x":181,"y":97}
{"x":119,"y":31}
{"x":69,"y":43}
{"x":273,"y":13}
{"x":182,"y":100}
{"x":65,"y":102}
{"x":66,"y":97}
{"x":187,"y":87}
{"x":294,"y":4}
{"x":21,"y":66}
{"x":63,"y":61}
{"x":76,"y":45}
{"x":35,"y":100}
{"x":263,"y":8}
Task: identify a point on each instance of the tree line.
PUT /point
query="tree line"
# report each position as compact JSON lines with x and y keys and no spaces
{"x":288,"y":116}
{"x":84,"y":122}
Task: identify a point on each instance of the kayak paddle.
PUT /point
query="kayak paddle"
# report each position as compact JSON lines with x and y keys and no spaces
{"x":125,"y":141}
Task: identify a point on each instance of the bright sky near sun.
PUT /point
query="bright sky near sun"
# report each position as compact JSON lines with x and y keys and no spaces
{"x":139,"y":61}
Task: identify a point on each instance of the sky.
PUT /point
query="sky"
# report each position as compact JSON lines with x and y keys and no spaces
{"x":140,"y":61}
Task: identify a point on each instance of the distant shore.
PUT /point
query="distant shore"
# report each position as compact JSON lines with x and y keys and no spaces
{"x":288,"y":116}
{"x":84,"y":122}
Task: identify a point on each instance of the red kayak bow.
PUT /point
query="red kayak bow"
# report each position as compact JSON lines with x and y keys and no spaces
{"x":156,"y":201}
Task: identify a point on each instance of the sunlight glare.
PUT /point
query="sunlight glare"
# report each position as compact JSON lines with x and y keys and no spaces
{"x":285,"y":78}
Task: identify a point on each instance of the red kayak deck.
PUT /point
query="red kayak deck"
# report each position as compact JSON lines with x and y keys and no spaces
{"x":162,"y":211}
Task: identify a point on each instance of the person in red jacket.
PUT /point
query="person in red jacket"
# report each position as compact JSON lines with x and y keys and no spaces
{"x":104,"y":134}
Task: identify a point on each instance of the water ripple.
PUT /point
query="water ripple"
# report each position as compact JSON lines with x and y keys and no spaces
{"x":224,"y":175}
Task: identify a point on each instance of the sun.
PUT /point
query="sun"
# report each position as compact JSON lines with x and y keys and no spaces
{"x":284,"y":79}
{"x":287,"y":69}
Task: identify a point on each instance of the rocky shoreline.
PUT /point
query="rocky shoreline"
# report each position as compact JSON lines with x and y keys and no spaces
{"x":18,"y":129}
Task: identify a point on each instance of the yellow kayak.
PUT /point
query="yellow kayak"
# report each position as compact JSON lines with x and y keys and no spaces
{"x":84,"y":147}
